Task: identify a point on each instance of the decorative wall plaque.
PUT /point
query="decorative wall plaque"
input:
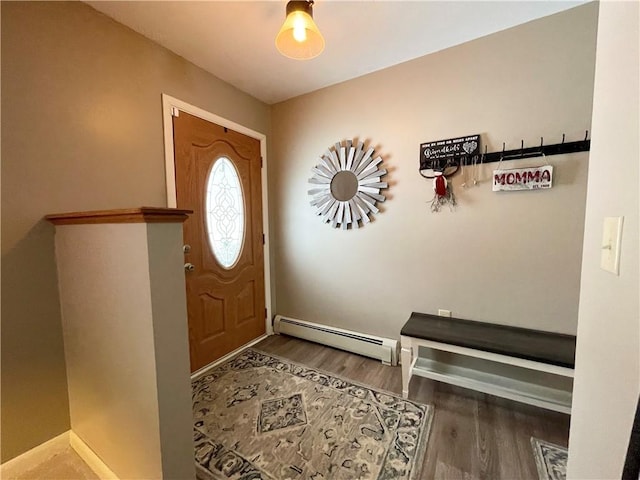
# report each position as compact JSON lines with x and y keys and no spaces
{"x":445,"y":156}
{"x":532,"y":178}
{"x":347,"y":185}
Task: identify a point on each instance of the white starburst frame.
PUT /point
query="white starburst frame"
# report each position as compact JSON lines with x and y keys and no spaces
{"x":362,"y":206}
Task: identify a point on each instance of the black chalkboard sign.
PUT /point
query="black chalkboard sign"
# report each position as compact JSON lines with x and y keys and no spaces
{"x":444,"y":155}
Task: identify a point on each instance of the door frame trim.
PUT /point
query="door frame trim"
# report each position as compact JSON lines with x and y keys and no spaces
{"x":168,"y":104}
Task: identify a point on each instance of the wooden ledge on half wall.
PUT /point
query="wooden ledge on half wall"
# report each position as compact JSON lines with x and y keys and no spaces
{"x":124,"y":215}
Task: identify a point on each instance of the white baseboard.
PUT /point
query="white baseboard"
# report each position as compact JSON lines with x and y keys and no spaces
{"x":18,"y":466}
{"x":206,"y":368}
{"x":37,"y":455}
{"x":90,"y":458}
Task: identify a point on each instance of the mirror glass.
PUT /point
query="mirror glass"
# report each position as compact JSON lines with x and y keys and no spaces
{"x":344,"y":185}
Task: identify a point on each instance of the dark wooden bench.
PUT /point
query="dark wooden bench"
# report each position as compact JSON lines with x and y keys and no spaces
{"x":522,"y":348}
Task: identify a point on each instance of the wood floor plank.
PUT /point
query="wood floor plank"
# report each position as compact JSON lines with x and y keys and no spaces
{"x":511,"y":458}
{"x":473,"y":436}
{"x":449,"y":472}
{"x":486,"y":441}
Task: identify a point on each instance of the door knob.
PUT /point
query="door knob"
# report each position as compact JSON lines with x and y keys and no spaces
{"x":189,"y":267}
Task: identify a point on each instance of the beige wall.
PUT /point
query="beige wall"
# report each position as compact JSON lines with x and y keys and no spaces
{"x":171,"y":342}
{"x":607,"y":379}
{"x":126,"y":347}
{"x":81,"y":130}
{"x":109,"y":346}
{"x":509,"y":258}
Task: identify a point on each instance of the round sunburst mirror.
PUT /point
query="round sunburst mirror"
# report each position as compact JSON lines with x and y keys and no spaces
{"x":347,"y":185}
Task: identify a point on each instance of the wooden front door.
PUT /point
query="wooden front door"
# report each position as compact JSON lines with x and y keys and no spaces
{"x":218,"y":176}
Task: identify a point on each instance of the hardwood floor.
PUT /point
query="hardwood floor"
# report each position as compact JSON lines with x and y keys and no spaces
{"x":473,"y":436}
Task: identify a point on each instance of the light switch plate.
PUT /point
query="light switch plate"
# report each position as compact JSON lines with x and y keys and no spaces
{"x":611,"y":240}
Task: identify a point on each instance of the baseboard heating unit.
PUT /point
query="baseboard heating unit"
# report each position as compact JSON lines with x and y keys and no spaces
{"x":383,"y":349}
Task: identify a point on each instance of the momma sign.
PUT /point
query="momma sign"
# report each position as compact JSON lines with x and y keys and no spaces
{"x":523,"y":178}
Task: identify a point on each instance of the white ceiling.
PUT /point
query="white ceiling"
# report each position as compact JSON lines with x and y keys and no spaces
{"x":235,"y":40}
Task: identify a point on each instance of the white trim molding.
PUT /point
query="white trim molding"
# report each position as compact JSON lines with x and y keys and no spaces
{"x":90,"y":458}
{"x":171,"y":105}
{"x":17,"y":467}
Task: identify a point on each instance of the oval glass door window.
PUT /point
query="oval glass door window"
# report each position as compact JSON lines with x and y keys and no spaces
{"x":224,"y":212}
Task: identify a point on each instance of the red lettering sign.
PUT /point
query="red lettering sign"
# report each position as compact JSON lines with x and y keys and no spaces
{"x":523,"y":178}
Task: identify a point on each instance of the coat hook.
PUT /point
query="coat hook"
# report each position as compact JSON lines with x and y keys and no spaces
{"x":503,"y":145}
{"x":563,"y":138}
{"x":541,"y":142}
{"x":586,"y":135}
{"x":521,"y":148}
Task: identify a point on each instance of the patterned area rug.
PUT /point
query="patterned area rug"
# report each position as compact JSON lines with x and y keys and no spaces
{"x":551,"y":460}
{"x":262,"y":417}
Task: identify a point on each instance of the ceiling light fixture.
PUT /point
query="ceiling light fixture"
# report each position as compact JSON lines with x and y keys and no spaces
{"x":299,"y":37}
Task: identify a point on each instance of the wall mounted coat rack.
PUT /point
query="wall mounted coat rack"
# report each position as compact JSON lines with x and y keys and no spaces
{"x":450,"y":165}
{"x":540,"y":150}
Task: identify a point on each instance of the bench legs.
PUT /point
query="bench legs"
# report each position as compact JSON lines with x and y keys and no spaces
{"x":406,"y":357}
